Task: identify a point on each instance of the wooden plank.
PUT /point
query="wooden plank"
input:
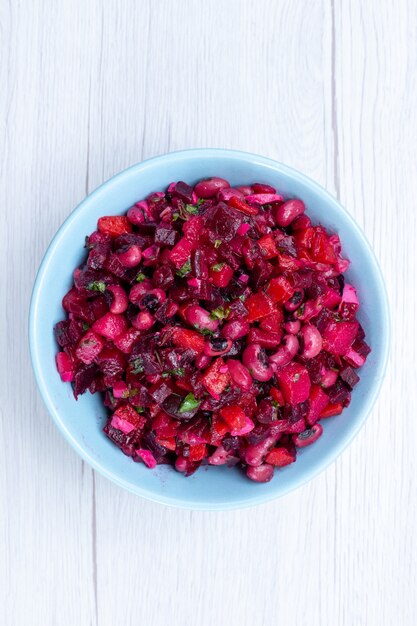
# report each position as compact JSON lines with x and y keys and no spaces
{"x":46,"y":505}
{"x":375,"y":69}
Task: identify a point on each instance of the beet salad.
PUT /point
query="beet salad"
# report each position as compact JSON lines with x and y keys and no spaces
{"x":218,"y":326}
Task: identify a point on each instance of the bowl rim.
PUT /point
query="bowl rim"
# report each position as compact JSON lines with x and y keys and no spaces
{"x":43,"y":387}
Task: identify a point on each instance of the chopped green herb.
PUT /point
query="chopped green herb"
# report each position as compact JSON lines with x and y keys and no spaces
{"x":140,"y":277}
{"x":85,"y":326}
{"x":296,"y":377}
{"x":188,"y":404}
{"x":139,"y":409}
{"x":275,"y":404}
{"x":185,"y":269}
{"x":97,"y":285}
{"x":203,"y":331}
{"x":175,"y":217}
{"x":136,"y":367}
{"x":217,"y":267}
{"x":191,"y":209}
{"x":220,"y":313}
{"x":179,"y":371}
{"x":242,"y":297}
{"x":217,"y":243}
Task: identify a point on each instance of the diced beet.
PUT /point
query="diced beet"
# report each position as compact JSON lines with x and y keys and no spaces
{"x":318,"y":402}
{"x":89,"y":347}
{"x":280,"y":457}
{"x":294,"y":383}
{"x":183,"y":191}
{"x":83,"y":378}
{"x":112,"y":363}
{"x":279,"y":290}
{"x":339,"y":336}
{"x":181,"y":252}
{"x":216,"y":378}
{"x":259,"y":305}
{"x":165,"y":236}
{"x":65,"y":366}
{"x":339,"y":392}
{"x":126,"y":419}
{"x":349,"y":376}
{"x":61,"y":332}
{"x":125,"y":341}
{"x":114,"y":225}
{"x":126,"y":442}
{"x":221,"y":274}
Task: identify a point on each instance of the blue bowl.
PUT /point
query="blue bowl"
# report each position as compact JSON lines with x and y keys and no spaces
{"x":81,"y":422}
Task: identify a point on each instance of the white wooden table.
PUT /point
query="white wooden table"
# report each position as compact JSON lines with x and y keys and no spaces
{"x":88,"y":87}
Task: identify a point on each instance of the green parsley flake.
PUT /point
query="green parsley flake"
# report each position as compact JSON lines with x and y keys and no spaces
{"x":217,"y":267}
{"x":97,"y":285}
{"x":220,"y":313}
{"x":140,"y":277}
{"x":191,"y":209}
{"x":203,"y":331}
{"x":185,"y":269}
{"x":188,"y":404}
{"x":136,"y":366}
{"x":296,"y":377}
{"x":179,"y":371}
{"x":217,"y":243}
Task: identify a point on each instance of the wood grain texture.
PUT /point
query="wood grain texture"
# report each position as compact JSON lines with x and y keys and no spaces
{"x":89,"y":88}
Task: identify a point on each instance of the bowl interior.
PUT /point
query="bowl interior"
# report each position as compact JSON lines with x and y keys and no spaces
{"x":81,"y":422}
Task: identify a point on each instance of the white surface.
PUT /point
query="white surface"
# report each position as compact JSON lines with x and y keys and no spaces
{"x":88,"y":88}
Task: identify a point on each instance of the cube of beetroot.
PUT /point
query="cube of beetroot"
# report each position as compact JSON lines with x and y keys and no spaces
{"x":114,"y":225}
{"x":259,"y":305}
{"x":112,"y":364}
{"x":279,"y":290}
{"x":318,"y":402}
{"x":273,"y":321}
{"x":181,"y":252}
{"x":65,"y":367}
{"x":236,"y":418}
{"x":192,"y":229}
{"x":339,"y":336}
{"x":164,"y":425}
{"x":216,"y":378}
{"x":110,"y":325}
{"x":294,"y":383}
{"x":125,"y":342}
{"x":221,"y":274}
{"x":354,"y":358}
{"x":126,"y":419}
{"x":89,"y":347}
{"x":197,"y":452}
{"x":268,"y":246}
{"x":331,"y":410}
{"x":147,"y":457}
{"x":280,"y":457}
{"x":191,"y":339}
{"x":321,"y":249}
